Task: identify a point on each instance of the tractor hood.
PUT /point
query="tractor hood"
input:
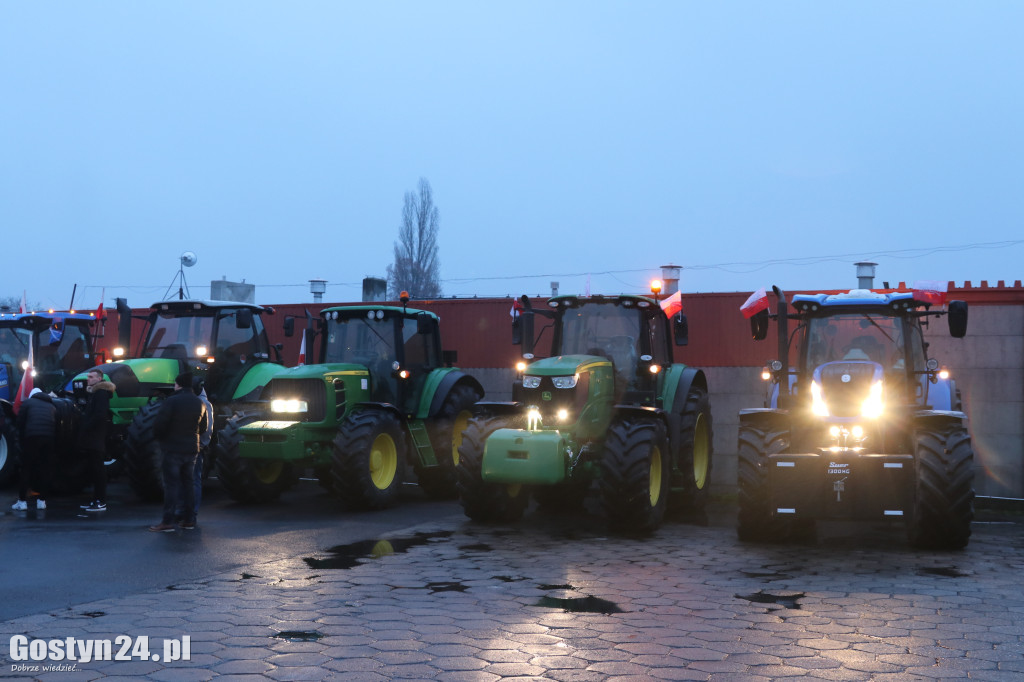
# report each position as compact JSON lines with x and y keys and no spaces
{"x":566,"y":365}
{"x":321,"y":371}
{"x":139,"y":377}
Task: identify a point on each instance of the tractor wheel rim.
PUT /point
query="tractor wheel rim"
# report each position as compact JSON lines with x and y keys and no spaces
{"x":655,"y":477}
{"x":268,"y":472}
{"x":461,"y":422}
{"x":383,"y":461}
{"x":701,"y":452}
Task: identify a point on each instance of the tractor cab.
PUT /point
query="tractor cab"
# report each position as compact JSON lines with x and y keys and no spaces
{"x":216,"y":339}
{"x":399,"y":347}
{"x":61,"y":343}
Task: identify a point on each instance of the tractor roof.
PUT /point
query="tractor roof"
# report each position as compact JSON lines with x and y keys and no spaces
{"x":857,"y":298}
{"x":26,"y":319}
{"x":361,"y":310}
{"x":572,"y":300}
{"x":187,"y":305}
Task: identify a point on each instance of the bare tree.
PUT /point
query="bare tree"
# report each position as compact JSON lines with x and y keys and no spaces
{"x":417,"y":267}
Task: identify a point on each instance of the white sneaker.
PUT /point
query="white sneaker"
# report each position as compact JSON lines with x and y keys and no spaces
{"x":20,"y":505}
{"x":40,"y":504}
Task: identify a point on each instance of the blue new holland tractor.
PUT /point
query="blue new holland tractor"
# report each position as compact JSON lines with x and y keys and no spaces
{"x":858,"y":423}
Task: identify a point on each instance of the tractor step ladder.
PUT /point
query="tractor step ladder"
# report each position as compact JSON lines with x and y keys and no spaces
{"x":421,"y":439}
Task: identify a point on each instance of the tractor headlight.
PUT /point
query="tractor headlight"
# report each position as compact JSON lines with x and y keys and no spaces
{"x":291,"y":405}
{"x":531,"y":382}
{"x":873,"y":406}
{"x":201,"y":351}
{"x":562,"y":415}
{"x":119,"y":352}
{"x":818,"y":406}
{"x":562,"y":382}
{"x":533,"y":419}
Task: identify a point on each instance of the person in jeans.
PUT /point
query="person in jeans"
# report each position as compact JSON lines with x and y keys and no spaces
{"x":199,"y":388}
{"x":182,"y":417}
{"x":37,"y":420}
{"x":92,"y":436}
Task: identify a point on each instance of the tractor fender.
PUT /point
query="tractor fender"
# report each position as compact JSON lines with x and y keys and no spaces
{"x":258,"y":376}
{"x":942,"y":395}
{"x":439,"y":385}
{"x":765,"y":419}
{"x":679,"y":381}
{"x":634,"y":411}
{"x":939,"y":420}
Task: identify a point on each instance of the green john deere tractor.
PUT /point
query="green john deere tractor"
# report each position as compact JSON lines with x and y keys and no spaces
{"x":608,"y":405}
{"x":379,"y":398}
{"x":223,"y":342}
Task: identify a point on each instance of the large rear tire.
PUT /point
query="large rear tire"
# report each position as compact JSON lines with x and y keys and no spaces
{"x":249,"y":480}
{"x":368,"y":460}
{"x":695,"y":452}
{"x":635,"y":471}
{"x":943,"y":506}
{"x":143,"y":460}
{"x":10,"y":452}
{"x":440,"y":482}
{"x":481,"y":500}
{"x":756,"y":521}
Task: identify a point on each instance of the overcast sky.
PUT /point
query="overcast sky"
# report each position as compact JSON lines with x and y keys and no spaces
{"x":752,"y":143}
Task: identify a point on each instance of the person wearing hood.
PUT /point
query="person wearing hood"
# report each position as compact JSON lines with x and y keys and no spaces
{"x":92,"y":436}
{"x":178,"y":424}
{"x":37,"y":421}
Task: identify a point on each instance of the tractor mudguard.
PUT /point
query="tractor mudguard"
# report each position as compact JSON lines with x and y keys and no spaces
{"x":678,"y":381}
{"x":527,"y":457}
{"x":939,"y":420}
{"x":255,"y":379}
{"x":765,"y":419}
{"x":438,"y":385}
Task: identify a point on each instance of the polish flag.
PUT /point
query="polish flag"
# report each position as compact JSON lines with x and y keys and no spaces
{"x":23,"y":308}
{"x":757,"y":302}
{"x":99,"y":309}
{"x":26,"y":381}
{"x":516,"y":309}
{"x":302,"y":349}
{"x":673,"y":304}
{"x":930,"y":291}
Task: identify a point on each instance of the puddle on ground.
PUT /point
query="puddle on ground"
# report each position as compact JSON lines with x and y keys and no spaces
{"x":478,"y":547}
{"x":508,"y":578}
{"x":94,"y":614}
{"x":299,"y":635}
{"x":347,"y":556}
{"x":446,"y":587}
{"x":580,"y":605}
{"x":788,"y":601}
{"x":944,"y":571}
{"x":555,"y":587}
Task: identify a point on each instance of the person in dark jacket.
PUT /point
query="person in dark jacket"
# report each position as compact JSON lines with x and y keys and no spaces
{"x":37,"y":420}
{"x":182,"y":417}
{"x":92,"y":437}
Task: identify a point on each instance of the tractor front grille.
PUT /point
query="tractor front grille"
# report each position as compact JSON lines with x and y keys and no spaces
{"x":313,"y":391}
{"x":845,"y":386}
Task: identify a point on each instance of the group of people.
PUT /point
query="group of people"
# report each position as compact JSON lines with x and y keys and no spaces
{"x":183,"y":426}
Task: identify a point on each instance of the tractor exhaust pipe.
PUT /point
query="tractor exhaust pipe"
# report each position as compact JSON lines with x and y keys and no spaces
{"x":865,"y":275}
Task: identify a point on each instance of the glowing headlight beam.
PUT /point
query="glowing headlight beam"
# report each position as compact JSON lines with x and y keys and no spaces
{"x":289,"y":405}
{"x":818,"y":406}
{"x":873,"y":406}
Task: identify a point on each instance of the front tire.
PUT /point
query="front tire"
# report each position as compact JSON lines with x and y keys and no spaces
{"x":695,"y":451}
{"x":249,"y":480}
{"x":481,"y":500}
{"x":635,"y":475}
{"x":756,"y":521}
{"x":368,"y":460}
{"x":943,"y":505}
{"x":440,"y":482}
{"x":143,"y":460}
{"x":10,"y":452}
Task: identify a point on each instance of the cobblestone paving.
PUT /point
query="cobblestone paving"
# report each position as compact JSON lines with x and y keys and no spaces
{"x":546,"y":599}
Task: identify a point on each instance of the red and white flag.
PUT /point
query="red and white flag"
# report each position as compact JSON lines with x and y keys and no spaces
{"x":99,"y":310}
{"x":930,"y":291}
{"x":673,"y":304}
{"x":26,"y":381}
{"x":302,"y":349}
{"x":23,"y":308}
{"x":516,"y":308}
{"x":757,"y":302}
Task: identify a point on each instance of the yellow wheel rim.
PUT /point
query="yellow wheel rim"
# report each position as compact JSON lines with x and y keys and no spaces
{"x":461,"y":421}
{"x":655,"y":477}
{"x":268,"y":472}
{"x":701,"y":452}
{"x":383,"y":461}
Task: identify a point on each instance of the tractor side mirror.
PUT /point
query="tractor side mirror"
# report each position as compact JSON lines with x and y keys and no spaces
{"x":957,"y":318}
{"x":681,"y":329}
{"x":243,"y":318}
{"x":759,"y":325}
{"x":289,"y":327}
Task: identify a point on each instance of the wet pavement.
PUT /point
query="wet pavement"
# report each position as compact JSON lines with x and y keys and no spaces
{"x":556,"y":597}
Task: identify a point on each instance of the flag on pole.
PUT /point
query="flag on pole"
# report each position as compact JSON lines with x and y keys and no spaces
{"x":930,"y":291}
{"x":26,"y":381}
{"x":23,"y":308}
{"x":673,"y":304}
{"x":516,"y":309}
{"x":99,"y":309}
{"x":302,"y":349}
{"x":757,"y":302}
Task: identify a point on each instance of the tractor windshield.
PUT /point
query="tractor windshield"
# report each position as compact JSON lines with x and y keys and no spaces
{"x":179,"y":337}
{"x":607,"y":330}
{"x":886,"y":340}
{"x":14,"y":344}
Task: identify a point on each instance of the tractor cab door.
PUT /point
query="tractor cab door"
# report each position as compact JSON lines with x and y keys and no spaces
{"x":420,"y":354}
{"x":240,"y":341}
